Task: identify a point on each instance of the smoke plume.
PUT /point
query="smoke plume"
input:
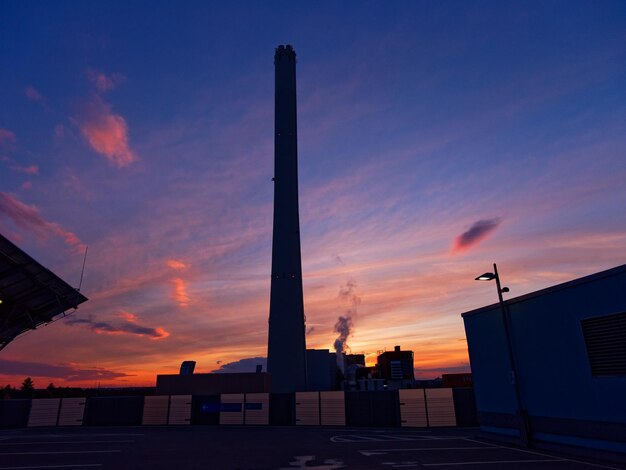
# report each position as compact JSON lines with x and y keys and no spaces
{"x":344,"y":323}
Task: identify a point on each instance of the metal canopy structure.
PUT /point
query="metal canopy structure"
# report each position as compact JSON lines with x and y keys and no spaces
{"x":30,"y":294}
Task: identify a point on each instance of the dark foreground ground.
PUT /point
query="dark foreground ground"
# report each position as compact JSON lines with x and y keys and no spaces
{"x":272,"y":448}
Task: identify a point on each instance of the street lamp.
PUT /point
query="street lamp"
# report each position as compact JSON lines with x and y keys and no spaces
{"x":521,"y":414}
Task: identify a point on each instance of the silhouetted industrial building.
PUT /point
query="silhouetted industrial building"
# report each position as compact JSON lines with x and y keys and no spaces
{"x":210,"y":384}
{"x":396,"y":365}
{"x":321,"y":370}
{"x":463,"y":379}
{"x":286,"y":359}
{"x":560,"y":376}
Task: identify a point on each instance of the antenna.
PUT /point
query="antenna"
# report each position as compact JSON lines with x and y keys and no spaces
{"x":82,"y":272}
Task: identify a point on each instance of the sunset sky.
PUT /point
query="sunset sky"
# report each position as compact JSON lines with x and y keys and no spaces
{"x":435,"y":138}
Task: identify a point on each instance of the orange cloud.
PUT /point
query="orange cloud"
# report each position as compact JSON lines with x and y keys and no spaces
{"x":176,"y":264}
{"x":180,"y":292}
{"x":29,"y":218}
{"x":106,"y":132}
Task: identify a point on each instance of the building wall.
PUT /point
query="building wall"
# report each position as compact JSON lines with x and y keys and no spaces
{"x":405,"y":359}
{"x":209,"y":384}
{"x":556,"y":385}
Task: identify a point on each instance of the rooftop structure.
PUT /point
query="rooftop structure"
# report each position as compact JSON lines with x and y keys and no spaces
{"x":30,"y":294}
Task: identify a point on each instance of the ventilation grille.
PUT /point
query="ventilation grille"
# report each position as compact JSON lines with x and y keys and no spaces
{"x":605,"y":338}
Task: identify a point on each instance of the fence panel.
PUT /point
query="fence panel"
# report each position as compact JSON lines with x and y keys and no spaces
{"x":333,"y":408}
{"x":308,"y":408}
{"x":257,"y":408}
{"x":231,"y":410}
{"x":72,"y":411}
{"x":180,"y":409}
{"x":155,"y":410}
{"x":440,"y":406}
{"x":413,"y":408}
{"x":44,"y":412}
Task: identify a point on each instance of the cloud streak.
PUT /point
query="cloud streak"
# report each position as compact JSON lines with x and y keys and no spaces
{"x":67,"y":372}
{"x":479,"y":230}
{"x":127,"y":324}
{"x":29,"y":170}
{"x":7,"y":136}
{"x":106,"y":132}
{"x":29,"y":218}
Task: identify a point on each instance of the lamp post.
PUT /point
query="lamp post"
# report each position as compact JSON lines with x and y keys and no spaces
{"x":521,"y":414}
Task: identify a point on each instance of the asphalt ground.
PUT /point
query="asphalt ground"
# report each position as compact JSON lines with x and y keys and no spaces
{"x":268,"y":447}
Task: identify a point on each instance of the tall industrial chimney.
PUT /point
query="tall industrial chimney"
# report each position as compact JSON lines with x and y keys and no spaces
{"x":286,"y":360}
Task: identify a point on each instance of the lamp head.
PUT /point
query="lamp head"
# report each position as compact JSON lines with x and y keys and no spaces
{"x":486,"y":277}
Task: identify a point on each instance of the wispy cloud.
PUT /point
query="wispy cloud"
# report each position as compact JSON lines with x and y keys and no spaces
{"x":29,"y":218}
{"x":127,"y":323}
{"x":475,"y":234}
{"x":68,"y":372}
{"x":176,"y":264}
{"x":7,"y":136}
{"x":104,"y":82}
{"x":32,"y":94}
{"x":106,"y":132}
{"x":29,"y":170}
{"x":180,"y":292}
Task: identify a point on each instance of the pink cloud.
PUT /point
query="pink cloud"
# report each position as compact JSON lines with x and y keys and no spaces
{"x":180,"y":292}
{"x":106,"y":132}
{"x":29,"y":218}
{"x":33,"y":95}
{"x":479,"y":230}
{"x":103,"y":82}
{"x":29,"y":170}
{"x":7,"y":136}
{"x":26,"y":185}
{"x":128,"y":325}
{"x":176,"y":264}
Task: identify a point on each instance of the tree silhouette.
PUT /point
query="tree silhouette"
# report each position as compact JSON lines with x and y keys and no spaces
{"x":28,"y":386}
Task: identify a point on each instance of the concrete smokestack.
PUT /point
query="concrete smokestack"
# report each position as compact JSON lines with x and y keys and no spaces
{"x":286,"y":355}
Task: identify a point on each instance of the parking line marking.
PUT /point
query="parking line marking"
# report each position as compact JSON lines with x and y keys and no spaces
{"x":54,"y":466}
{"x":548,"y":455}
{"x":61,"y":442}
{"x":492,"y":462}
{"x":364,"y":452}
{"x":63,"y":452}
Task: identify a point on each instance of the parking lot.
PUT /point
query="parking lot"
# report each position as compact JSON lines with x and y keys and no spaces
{"x":272,"y":448}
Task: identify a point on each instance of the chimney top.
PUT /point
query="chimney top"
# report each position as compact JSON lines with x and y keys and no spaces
{"x":284,"y":51}
{"x":396,"y":348}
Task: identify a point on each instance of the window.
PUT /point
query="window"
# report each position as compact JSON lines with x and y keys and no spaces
{"x":605,"y":338}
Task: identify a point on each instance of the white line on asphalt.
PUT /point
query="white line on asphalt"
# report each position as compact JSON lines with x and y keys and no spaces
{"x":548,"y":455}
{"x":55,"y":436}
{"x":62,"y":442}
{"x":63,"y":452}
{"x":493,"y":462}
{"x":54,"y":466}
{"x":364,"y":452}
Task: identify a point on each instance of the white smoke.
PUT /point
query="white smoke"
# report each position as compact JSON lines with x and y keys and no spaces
{"x":345,"y":323}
